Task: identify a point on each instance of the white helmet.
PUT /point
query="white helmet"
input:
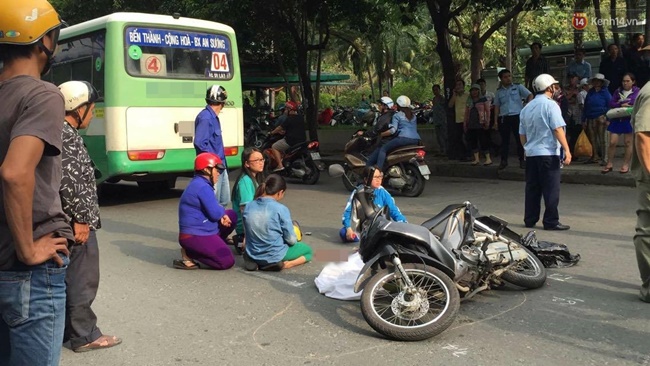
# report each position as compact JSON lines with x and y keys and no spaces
{"x":216,"y":94}
{"x":77,"y":94}
{"x":404,"y":101}
{"x":387,"y":101}
{"x":543,"y":81}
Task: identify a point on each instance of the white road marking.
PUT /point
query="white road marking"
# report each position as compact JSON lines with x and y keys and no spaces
{"x":560,"y":277}
{"x":272,"y":278}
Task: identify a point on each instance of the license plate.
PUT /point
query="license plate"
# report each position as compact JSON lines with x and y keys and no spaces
{"x":424,"y":169}
{"x":315,"y":156}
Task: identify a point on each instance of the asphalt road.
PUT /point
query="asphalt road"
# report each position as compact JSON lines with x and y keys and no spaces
{"x":585,"y":315}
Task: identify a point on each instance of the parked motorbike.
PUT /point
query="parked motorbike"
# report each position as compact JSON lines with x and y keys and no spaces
{"x":405,"y":171}
{"x":415,"y":275}
{"x":300,"y":161}
{"x":256,"y":132}
{"x":344,"y":116}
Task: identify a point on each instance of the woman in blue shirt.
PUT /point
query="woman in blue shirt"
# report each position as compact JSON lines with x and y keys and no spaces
{"x":271,"y":243}
{"x":251,"y":175}
{"x":403,"y":127}
{"x":352,"y":219}
{"x":203,"y":223}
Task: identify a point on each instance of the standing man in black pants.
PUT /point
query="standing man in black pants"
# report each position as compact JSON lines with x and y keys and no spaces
{"x":542,"y":134}
{"x":79,"y":199}
{"x":507,"y":105}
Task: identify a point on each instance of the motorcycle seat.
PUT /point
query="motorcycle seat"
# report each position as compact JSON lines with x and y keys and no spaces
{"x":405,"y":148}
{"x":433,"y":224}
{"x":296,"y":147}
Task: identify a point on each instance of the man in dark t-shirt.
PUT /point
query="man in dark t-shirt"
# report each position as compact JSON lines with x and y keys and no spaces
{"x":34,"y":233}
{"x":293,"y":129}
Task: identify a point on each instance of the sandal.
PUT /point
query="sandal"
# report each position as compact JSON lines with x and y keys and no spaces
{"x":102,"y":342}
{"x":624,"y":170}
{"x":606,"y":170}
{"x":183,"y":264}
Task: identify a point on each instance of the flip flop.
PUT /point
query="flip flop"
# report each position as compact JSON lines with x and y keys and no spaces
{"x":181,"y":264}
{"x":102,"y":342}
{"x":624,"y":171}
{"x":606,"y":170}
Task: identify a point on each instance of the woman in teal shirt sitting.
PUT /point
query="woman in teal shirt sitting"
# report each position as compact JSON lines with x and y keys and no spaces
{"x":271,"y":243}
{"x":243,"y":192}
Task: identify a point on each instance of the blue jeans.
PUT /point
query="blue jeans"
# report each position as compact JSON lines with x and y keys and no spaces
{"x":32,"y":305}
{"x":222,"y":189}
{"x":379,"y":155}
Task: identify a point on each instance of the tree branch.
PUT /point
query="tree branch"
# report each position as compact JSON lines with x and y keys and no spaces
{"x":503,"y":20}
{"x":454,"y":13}
{"x":463,"y":38}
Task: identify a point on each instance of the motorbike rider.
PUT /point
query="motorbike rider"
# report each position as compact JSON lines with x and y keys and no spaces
{"x":293,"y":129}
{"x":386,"y":112}
{"x":353,"y":215}
{"x":403,"y":128}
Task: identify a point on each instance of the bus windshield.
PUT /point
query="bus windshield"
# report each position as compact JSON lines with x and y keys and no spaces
{"x":175,"y":54}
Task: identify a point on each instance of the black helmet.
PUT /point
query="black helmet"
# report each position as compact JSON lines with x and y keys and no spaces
{"x":216,"y":94}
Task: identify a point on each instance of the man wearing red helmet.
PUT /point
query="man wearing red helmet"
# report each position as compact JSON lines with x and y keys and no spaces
{"x":203,"y":223}
{"x":293,"y":129}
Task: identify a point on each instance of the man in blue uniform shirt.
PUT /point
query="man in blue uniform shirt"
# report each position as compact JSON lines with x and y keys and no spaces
{"x":542,"y":133}
{"x":208,"y":137}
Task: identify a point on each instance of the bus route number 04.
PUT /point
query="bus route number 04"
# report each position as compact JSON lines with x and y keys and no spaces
{"x":219,"y":62}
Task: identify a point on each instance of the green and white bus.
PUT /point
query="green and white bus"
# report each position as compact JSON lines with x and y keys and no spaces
{"x":153,"y":72}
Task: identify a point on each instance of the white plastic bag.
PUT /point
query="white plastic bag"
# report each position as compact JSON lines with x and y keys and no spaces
{"x":336,"y":280}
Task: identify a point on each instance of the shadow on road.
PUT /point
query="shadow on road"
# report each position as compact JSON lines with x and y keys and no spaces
{"x":122,"y":194}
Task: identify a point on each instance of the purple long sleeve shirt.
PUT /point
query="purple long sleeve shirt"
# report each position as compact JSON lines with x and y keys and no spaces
{"x":199,"y":211}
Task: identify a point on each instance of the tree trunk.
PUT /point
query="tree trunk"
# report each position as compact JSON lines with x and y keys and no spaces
{"x":612,"y":14}
{"x":632,"y":12}
{"x":601,"y":29}
{"x":647,"y":23}
{"x":578,"y":35}
{"x":476,"y":57}
{"x":439,"y":11}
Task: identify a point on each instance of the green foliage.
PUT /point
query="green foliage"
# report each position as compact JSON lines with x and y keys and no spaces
{"x":413,"y":89}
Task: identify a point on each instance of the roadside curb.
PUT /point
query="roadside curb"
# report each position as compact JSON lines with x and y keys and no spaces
{"x":571,"y":175}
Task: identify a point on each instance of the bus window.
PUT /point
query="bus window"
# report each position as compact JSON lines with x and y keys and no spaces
{"x":80,"y":59}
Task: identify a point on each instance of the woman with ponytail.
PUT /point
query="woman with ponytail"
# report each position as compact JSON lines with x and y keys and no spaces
{"x":271,"y":240}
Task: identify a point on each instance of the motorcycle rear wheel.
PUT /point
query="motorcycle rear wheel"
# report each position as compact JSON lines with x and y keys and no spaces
{"x":529,"y":274}
{"x":383,"y":295}
{"x":417,"y":187}
{"x":311,"y":178}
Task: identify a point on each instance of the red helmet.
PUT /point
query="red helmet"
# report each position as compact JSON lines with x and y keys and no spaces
{"x":208,"y":160}
{"x":291,"y":105}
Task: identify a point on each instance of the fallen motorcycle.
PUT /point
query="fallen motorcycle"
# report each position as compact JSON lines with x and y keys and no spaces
{"x":415,"y":275}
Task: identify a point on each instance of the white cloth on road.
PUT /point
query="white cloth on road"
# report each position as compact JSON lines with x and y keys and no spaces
{"x":336,"y":280}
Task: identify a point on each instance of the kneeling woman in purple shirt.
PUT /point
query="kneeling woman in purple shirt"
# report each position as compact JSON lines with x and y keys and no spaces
{"x":271,"y":243}
{"x":204,"y":224}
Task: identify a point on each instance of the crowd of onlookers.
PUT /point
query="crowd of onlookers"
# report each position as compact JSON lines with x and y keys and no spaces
{"x":485,"y":121}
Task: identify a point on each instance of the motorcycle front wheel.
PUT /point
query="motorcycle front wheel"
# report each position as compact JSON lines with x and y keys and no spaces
{"x":528,"y":274}
{"x":398,"y":315}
